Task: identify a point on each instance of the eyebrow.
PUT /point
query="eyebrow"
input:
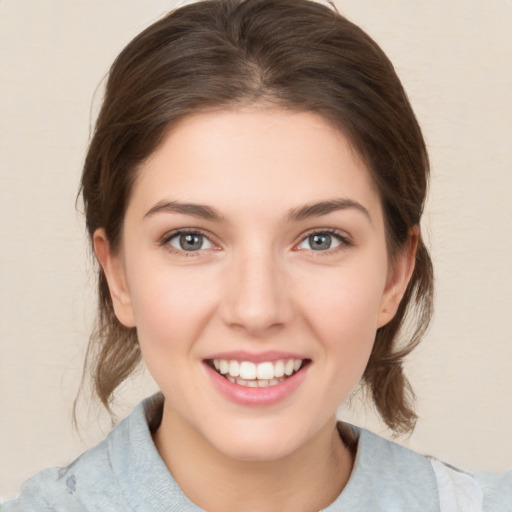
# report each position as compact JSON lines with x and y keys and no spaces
{"x":325,"y":207}
{"x":294,"y":215}
{"x":195,"y":210}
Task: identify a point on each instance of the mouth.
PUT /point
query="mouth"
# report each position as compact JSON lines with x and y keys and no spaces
{"x":257,"y":375}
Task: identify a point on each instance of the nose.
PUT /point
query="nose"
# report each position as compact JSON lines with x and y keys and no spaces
{"x":257,"y":296}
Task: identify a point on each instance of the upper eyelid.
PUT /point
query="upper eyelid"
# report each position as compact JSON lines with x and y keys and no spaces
{"x":343,"y":235}
{"x":345,"y":242}
{"x":323,"y":230}
{"x":185,"y":231}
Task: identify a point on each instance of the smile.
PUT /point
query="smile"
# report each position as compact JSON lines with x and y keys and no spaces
{"x":257,"y":375}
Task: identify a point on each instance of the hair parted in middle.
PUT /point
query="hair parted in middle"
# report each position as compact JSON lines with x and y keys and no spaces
{"x":294,"y":54}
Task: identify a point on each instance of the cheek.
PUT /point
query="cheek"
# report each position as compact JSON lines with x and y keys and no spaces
{"x":347,"y":299}
{"x":343,"y":310}
{"x":170,"y":306}
{"x":171,"y":309}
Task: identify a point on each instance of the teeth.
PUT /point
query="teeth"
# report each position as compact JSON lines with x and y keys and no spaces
{"x":223,"y":366}
{"x":288,"y":367}
{"x":278,"y":368}
{"x":264,"y":383}
{"x":268,"y":373}
{"x":265,"y":371}
{"x":247,"y":370}
{"x":234,"y":368}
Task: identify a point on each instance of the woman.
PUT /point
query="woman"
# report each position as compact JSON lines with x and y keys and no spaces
{"x":253,"y":193}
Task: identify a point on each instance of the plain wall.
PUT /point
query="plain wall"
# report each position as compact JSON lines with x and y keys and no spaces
{"x":454,"y":59}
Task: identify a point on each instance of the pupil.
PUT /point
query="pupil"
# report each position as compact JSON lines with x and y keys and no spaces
{"x":191,"y":242}
{"x":318,"y":242}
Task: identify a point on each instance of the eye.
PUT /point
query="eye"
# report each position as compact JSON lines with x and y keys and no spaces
{"x":189,"y":241}
{"x":322,"y":241}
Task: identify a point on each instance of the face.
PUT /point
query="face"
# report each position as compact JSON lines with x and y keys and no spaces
{"x":253,"y":264}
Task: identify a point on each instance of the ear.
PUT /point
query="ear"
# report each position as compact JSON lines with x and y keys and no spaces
{"x":399,"y":275}
{"x":113,"y":267}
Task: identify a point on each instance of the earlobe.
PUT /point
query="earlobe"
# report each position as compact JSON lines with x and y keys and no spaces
{"x":399,"y":276}
{"x":113,"y":269}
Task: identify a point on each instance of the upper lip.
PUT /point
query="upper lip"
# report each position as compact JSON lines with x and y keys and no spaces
{"x":239,"y":355}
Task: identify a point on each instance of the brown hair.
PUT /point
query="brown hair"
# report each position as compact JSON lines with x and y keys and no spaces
{"x":299,"y":55}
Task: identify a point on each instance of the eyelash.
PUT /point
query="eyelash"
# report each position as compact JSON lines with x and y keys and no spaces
{"x":166,"y":239}
{"x":341,"y":237}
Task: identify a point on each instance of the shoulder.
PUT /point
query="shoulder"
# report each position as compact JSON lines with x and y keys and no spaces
{"x":95,"y":480}
{"x":388,"y":476}
{"x":497,"y":489}
{"x":83,"y":485}
{"x":124,"y":472}
{"x":482,"y":491}
{"x":395,"y":477}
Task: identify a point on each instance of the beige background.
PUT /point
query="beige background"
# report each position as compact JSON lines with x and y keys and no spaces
{"x":455,"y":59}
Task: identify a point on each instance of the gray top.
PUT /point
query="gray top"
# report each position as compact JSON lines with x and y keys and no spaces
{"x":125,"y":473}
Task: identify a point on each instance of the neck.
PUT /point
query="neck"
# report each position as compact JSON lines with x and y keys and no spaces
{"x":306,"y":480}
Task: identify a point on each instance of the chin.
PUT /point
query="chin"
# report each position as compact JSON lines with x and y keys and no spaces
{"x":255,"y":451}
{"x":253,"y":442}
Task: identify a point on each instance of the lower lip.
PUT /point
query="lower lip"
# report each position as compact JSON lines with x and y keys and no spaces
{"x":243,"y":395}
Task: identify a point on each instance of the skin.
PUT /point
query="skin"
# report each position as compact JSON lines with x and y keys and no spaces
{"x":255,"y":285}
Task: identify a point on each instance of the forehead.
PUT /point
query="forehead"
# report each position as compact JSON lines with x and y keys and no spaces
{"x":257,"y":156}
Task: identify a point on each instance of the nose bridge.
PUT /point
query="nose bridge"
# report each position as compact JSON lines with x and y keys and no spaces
{"x":256,"y":292}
